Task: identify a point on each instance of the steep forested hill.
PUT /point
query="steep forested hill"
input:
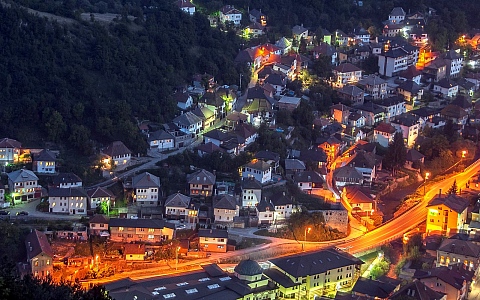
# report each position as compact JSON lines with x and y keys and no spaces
{"x":81,"y":82}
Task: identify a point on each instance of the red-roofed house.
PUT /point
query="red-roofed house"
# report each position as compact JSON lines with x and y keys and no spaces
{"x":39,"y":254}
{"x":358,"y":199}
{"x":9,"y":150}
{"x":383,"y":134}
{"x":186,"y":6}
{"x":134,"y":252}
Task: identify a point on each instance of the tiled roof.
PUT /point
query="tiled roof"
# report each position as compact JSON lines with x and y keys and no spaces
{"x":385,"y":127}
{"x":372,"y":80}
{"x":99,"y":219}
{"x":9,"y":143}
{"x":251,"y":183}
{"x":66,"y":178}
{"x":414,"y":155}
{"x":36,"y":242}
{"x":373,"y":288}
{"x":419,"y":290}
{"x":410,"y":73}
{"x":67,"y":192}
{"x":187,"y":119}
{"x":209,"y":148}
{"x":357,"y":194}
{"x":145,"y":180}
{"x":453,"y":275}
{"x":454,"y":202}
{"x":397,"y":11}
{"x":45,"y":155}
{"x":410,"y":86}
{"x":446,"y":83}
{"x":258,"y":165}
{"x":347,"y":67}
{"x":22,"y":175}
{"x":201,"y":176}
{"x":116,"y":148}
{"x":265,"y":205}
{"x":140,"y":223}
{"x":351,"y":90}
{"x":267,"y":155}
{"x":461,"y":247}
{"x":100,"y":192}
{"x":309,"y":176}
{"x":347,"y":172}
{"x":225,"y":201}
{"x":294,"y":164}
{"x":177,"y":200}
{"x":159,"y":135}
{"x":134,"y":249}
{"x":453,"y":111}
{"x":213,"y":233}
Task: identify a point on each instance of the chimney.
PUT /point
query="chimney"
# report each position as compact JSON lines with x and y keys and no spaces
{"x":440,"y":193}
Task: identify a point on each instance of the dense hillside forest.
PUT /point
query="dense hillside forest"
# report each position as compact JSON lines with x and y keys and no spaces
{"x":85,"y":82}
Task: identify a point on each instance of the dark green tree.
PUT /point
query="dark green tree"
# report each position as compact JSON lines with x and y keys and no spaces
{"x":396,"y":154}
{"x":453,"y":189}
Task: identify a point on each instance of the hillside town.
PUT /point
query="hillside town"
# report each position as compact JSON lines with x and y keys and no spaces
{"x":256,"y":191}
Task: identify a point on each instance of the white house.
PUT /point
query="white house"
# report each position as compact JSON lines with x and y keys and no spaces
{"x":393,"y":61}
{"x":454,"y":63}
{"x":67,"y":180}
{"x":100,"y":195}
{"x":188,"y":122}
{"x":257,"y":169}
{"x":409,"y":125}
{"x":186,"y":6}
{"x":44,"y":162}
{"x":225,"y":208}
{"x":394,"y":106}
{"x":184,"y":100}
{"x":177,"y":206}
{"x":118,"y":153}
{"x":9,"y":150}
{"x":309,"y":181}
{"x":146,"y":189}
{"x":228,"y":13}
{"x":251,"y":192}
{"x":397,"y":15}
{"x":347,"y":73}
{"x":161,"y":140}
{"x":283,"y":206}
{"x":24,"y":185}
{"x":265,"y":212}
{"x":446,"y":87}
{"x":72,"y":201}
{"x":384,"y":133}
{"x":375,"y":86}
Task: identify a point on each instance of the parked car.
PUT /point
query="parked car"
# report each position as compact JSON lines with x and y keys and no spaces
{"x":22,"y":213}
{"x":4,"y":212}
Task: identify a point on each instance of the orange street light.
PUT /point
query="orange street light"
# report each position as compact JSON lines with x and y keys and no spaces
{"x":176,"y":254}
{"x":307,"y":230}
{"x":464,"y":152}
{"x":425,"y":182}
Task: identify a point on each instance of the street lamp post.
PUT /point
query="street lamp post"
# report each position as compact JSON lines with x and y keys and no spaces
{"x":176,"y":257}
{"x":425,"y":182}
{"x":307,"y":230}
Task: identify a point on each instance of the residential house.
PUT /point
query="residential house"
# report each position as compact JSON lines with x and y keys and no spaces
{"x":251,"y":192}
{"x":331,"y":146}
{"x":397,"y":15}
{"x":98,"y":224}
{"x":260,"y":105}
{"x":206,"y":114}
{"x":213,"y":240}
{"x":9,"y":150}
{"x":464,"y":102}
{"x":342,"y":39}
{"x":364,"y":162}
{"x":39,"y":254}
{"x":436,"y":70}
{"x":455,"y":113}
{"x":325,"y":49}
{"x":204,"y":81}
{"x":411,"y":92}
{"x":446,"y":87}
{"x":393,"y":30}
{"x":23,"y":184}
{"x":418,"y":35}
{"x":117,"y":153}
{"x":361,"y":35}
{"x":182,"y":138}
{"x":446,"y":214}
{"x":366,"y":288}
{"x":375,"y":86}
{"x":288,"y":103}
{"x":284,"y":44}
{"x":161,"y":140}
{"x":247,"y":132}
{"x":100,"y":195}
{"x":384,"y":133}
{"x":466,"y":87}
{"x":188,"y":122}
{"x":454,"y":63}
{"x":315,"y":273}
{"x":454,"y":251}
{"x":358,"y":199}
{"x":201,"y":183}
{"x":265,"y":212}
{"x":44,"y":162}
{"x":177,"y":206}
{"x":293,"y":166}
{"x":393,"y":61}
{"x":453,"y":281}
{"x":225,"y":208}
{"x":183,"y":99}
{"x":299,"y":32}
{"x":270,"y":157}
{"x":414,"y":158}
{"x":411,"y":73}
{"x":340,"y":113}
{"x":309,"y":181}
{"x":393,"y":106}
{"x":257,"y":16}
{"x":254,"y":30}
{"x":409,"y":125}
{"x":71,"y":201}
{"x":140,"y":230}
{"x":373,"y":113}
{"x":417,"y":290}
{"x":186,"y":6}
{"x":134,"y":252}
{"x":146,"y":188}
{"x":283,"y":206}
{"x":351,"y":93}
{"x":324,"y":35}
{"x":257,"y":169}
{"x":317,"y":158}
{"x":356,"y":120}
{"x":228,"y":13}
{"x":347,"y":73}
{"x":347,"y":175}
{"x":67,"y":180}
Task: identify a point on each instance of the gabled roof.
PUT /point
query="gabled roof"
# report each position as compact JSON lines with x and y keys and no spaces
{"x":298,"y":29}
{"x":312,"y":263}
{"x":65,"y":178}
{"x":461,"y":247}
{"x":454,"y":202}
{"x":351,"y":90}
{"x":145,"y":180}
{"x":358,"y":194}
{"x":181,"y":96}
{"x":116,"y":148}
{"x":414,"y":155}
{"x":347,"y":67}
{"x":258,"y":165}
{"x":178,"y":200}
{"x":100,"y":192}
{"x":355,"y":116}
{"x":453,"y":111}
{"x":419,"y":290}
{"x":373,"y":288}
{"x":398,"y":11}
{"x":229,"y":9}
{"x":209,"y":148}
{"x":67,"y":192}
{"x":283,"y":43}
{"x":140,"y":223}
{"x":410,"y":73}
{"x":385,"y":127}
{"x":213,"y":233}
{"x":225,"y":201}
{"x":294,"y":164}
{"x":410,"y":86}
{"x":454,"y":275}
{"x":159,"y":135}
{"x":45,"y":155}
{"x":267,"y":155}
{"x":22,"y":175}
{"x":98,"y":219}
{"x":203,"y":112}
{"x":10,"y":143}
{"x":187,"y":119}
{"x":251,"y":183}
{"x":371,"y":80}
{"x":36,"y":242}
{"x":446,"y":83}
{"x":265,"y":205}
{"x":347,"y":172}
{"x":201,"y":176}
{"x":309,"y":176}
{"x":134,"y":249}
